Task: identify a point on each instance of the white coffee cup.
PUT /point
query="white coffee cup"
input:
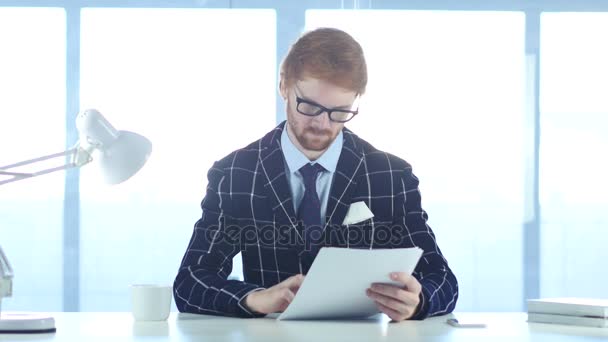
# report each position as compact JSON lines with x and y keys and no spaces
{"x":150,"y":302}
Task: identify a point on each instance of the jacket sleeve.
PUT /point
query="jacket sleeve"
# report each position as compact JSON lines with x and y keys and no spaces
{"x":439,"y":285}
{"x":201,"y":285}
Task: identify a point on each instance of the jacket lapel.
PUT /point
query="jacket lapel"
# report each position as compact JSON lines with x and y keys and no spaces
{"x":272,"y":164}
{"x":350,"y":165}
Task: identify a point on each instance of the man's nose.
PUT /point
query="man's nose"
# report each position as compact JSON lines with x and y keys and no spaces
{"x":322,"y":120}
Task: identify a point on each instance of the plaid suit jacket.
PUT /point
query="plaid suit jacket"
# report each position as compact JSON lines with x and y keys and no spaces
{"x":248,"y":208}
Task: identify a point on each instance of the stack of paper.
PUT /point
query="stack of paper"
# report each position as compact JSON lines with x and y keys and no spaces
{"x":572,"y":311}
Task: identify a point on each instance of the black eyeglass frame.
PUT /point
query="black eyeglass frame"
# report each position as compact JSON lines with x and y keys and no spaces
{"x":322,"y":109}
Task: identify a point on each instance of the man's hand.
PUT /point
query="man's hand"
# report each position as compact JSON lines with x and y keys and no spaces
{"x":276,"y":298}
{"x":398,"y":303}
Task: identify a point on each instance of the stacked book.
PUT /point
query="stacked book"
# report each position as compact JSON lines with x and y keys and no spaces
{"x":572,"y":311}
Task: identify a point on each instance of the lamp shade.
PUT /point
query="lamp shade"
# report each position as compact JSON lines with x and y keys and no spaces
{"x":124,"y":157}
{"x":118,"y":154}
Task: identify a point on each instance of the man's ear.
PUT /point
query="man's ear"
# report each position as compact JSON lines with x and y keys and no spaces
{"x":282,"y":89}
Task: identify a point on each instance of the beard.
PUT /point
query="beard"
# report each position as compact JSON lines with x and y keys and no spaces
{"x":314,"y":139}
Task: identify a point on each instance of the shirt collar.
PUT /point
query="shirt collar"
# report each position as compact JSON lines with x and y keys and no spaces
{"x":296,"y":159}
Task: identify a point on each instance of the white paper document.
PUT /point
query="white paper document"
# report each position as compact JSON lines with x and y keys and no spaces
{"x":335,"y":285}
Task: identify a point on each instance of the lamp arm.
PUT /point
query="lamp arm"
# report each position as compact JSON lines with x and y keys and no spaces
{"x":79,"y":156}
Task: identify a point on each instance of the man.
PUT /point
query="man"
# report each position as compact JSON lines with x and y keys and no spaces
{"x":283,"y":197}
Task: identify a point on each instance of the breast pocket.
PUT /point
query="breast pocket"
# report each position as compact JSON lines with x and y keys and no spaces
{"x":358,"y":235}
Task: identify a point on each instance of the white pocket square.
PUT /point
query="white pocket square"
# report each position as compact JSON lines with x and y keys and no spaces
{"x":357,"y":212}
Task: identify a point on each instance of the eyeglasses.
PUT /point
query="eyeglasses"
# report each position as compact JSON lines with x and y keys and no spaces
{"x":311,"y":108}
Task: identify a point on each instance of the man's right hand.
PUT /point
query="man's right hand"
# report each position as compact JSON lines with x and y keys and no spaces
{"x":276,"y":298}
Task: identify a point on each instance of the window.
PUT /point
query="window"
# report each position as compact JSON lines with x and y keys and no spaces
{"x":199,"y":83}
{"x":32,"y":124}
{"x":573,"y":164}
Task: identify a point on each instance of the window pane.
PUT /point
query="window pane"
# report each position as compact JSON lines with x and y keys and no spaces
{"x":32,"y":124}
{"x":446,"y":94}
{"x":573,"y":165}
{"x":199,"y":84}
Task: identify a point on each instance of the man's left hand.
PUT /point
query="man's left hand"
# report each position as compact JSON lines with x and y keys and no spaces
{"x":398,"y":303}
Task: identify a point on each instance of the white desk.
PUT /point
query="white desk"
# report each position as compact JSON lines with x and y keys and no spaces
{"x":114,"y":327}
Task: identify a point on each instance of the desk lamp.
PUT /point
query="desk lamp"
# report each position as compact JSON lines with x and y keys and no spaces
{"x":118,"y":154}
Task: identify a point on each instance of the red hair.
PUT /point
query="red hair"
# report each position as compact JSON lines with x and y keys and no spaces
{"x":328,"y":54}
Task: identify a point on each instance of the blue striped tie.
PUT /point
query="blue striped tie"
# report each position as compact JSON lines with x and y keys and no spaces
{"x":309,"y":212}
